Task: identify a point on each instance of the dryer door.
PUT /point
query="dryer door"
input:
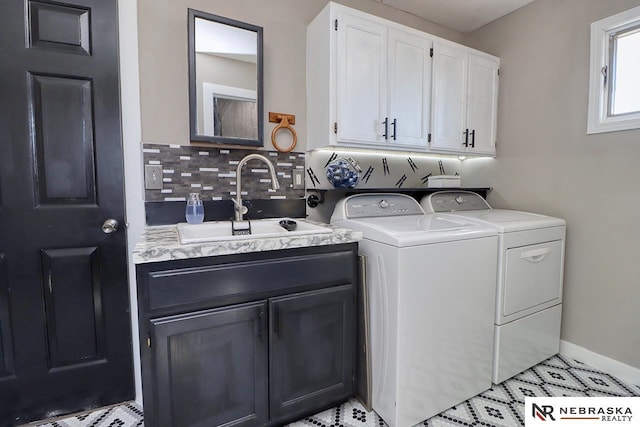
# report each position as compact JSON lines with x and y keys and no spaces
{"x":533,"y":277}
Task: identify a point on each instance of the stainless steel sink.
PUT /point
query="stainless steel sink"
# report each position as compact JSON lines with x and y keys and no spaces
{"x":264,"y":228}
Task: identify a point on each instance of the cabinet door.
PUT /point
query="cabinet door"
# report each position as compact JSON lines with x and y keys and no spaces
{"x":482,"y":104}
{"x":361,"y":80}
{"x":450,"y":66}
{"x":409,"y":88}
{"x":312,"y":350}
{"x":211,"y":367}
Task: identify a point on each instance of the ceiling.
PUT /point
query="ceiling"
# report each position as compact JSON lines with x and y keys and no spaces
{"x":461,"y":15}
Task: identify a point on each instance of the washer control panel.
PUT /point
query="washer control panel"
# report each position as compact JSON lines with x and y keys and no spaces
{"x":379,"y":205}
{"x":454,"y":201}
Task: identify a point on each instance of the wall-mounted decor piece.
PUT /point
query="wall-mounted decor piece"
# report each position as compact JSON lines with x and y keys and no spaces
{"x":285,"y":122}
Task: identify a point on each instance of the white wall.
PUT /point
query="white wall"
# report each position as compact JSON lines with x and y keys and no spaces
{"x":547,"y":163}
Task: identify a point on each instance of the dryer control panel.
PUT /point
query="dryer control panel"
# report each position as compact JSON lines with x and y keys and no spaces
{"x":454,"y":201}
{"x":377,"y":205}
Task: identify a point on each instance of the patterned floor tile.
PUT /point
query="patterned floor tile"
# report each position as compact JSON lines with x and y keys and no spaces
{"x":499,"y":394}
{"x":557,"y":362}
{"x":560,"y":391}
{"x":520,"y":390}
{"x":558,"y":377}
{"x":497,"y":414}
{"x":126,"y":415}
{"x":601,"y":382}
{"x":501,"y":406}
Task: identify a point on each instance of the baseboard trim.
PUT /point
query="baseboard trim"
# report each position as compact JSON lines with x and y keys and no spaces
{"x":624,"y":372}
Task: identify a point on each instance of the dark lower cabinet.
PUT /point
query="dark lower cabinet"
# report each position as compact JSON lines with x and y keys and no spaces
{"x":256,"y":339}
{"x":211,"y":367}
{"x":311,"y":350}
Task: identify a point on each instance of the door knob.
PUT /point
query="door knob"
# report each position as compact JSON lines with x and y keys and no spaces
{"x":110,"y":226}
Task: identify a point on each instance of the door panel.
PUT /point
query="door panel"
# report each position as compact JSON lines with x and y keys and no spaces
{"x":58,"y":27}
{"x":409,"y":88}
{"x":73,"y":336}
{"x":361,"y":80}
{"x":482,"y":104}
{"x":449,"y":97}
{"x":211,"y":367}
{"x":312,"y":358}
{"x":62,"y":118}
{"x":66,"y":312}
{"x":6,"y":353}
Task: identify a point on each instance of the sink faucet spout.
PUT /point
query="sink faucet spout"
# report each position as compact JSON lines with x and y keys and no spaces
{"x":239,"y":208}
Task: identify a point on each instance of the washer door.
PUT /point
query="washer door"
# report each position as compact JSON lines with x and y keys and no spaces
{"x":533,"y":276}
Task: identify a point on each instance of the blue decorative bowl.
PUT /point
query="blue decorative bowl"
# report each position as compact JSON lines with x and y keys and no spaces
{"x":342,"y":174}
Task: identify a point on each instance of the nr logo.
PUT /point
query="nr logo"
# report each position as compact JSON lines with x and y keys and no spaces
{"x":542,"y":412}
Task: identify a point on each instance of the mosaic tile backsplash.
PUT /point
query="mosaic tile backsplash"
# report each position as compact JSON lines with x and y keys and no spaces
{"x":212,"y":173}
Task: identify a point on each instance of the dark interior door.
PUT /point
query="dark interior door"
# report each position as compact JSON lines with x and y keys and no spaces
{"x":65,"y":340}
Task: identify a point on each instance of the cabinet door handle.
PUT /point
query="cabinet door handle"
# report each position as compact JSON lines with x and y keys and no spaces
{"x":260,"y":323}
{"x":466,"y":138}
{"x":385,"y":135}
{"x":276,"y":322}
{"x":395,"y":124}
{"x":473,"y":138}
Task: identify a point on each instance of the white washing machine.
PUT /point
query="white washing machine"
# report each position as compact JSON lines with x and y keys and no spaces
{"x":431,"y":292}
{"x":530,"y":277}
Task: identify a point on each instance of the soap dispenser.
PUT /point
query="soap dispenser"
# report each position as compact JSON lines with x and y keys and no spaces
{"x":194,"y":212}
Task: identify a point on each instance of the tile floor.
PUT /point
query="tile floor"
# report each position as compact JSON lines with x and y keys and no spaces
{"x":501,"y":406}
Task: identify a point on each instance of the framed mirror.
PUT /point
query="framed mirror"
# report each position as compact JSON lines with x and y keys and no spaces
{"x":225,"y":80}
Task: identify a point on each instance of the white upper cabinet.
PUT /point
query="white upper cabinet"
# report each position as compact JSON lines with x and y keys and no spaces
{"x":465,"y":100}
{"x":368,"y":82}
{"x":361,"y":79}
{"x":482,"y":104}
{"x":373,"y":83}
{"x":409,"y":89}
{"x":450,"y":70}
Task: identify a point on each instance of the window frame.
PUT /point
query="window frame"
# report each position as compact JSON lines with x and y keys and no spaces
{"x":600,"y":95}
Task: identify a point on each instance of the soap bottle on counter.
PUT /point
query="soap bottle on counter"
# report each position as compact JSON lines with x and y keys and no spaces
{"x":194,"y":212}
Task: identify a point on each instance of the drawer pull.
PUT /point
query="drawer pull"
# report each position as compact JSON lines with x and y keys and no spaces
{"x":535,"y":255}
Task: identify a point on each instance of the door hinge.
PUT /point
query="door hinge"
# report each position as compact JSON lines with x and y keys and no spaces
{"x":335,"y":127}
{"x":149,"y":341}
{"x":429,"y":138}
{"x":335,"y":25}
{"x":498,"y":71}
{"x":431,"y":52}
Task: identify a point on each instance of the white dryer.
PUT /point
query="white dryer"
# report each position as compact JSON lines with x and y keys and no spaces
{"x":431,"y":294}
{"x":530,"y":277}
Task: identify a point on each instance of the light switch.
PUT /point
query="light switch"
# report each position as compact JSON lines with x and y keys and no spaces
{"x":298,"y":179}
{"x":153,"y":177}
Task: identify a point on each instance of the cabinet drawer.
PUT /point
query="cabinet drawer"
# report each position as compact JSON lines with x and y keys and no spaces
{"x":259,"y":279}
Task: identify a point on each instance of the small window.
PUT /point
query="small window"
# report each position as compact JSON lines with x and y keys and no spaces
{"x":614,"y":85}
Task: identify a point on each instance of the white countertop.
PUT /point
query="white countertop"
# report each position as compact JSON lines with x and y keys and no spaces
{"x":161,"y":243}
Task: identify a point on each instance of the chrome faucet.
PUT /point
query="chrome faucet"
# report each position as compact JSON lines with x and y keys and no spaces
{"x":240,"y":209}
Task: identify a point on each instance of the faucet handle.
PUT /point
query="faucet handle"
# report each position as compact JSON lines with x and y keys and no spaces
{"x":240,"y":208}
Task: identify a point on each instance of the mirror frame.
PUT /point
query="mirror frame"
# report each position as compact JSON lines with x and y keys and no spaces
{"x":193,"y":100}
